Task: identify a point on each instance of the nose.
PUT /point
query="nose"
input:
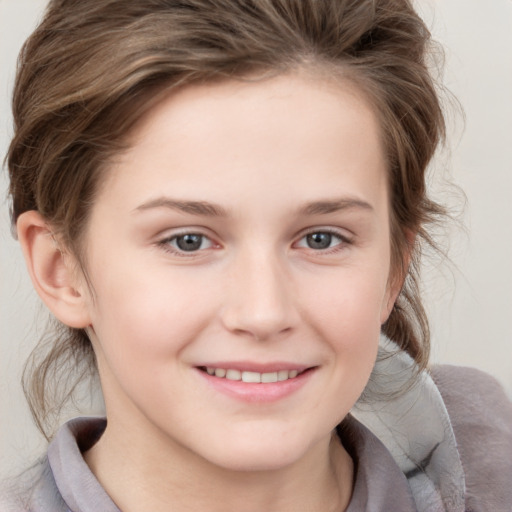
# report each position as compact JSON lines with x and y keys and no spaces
{"x":259,"y":298}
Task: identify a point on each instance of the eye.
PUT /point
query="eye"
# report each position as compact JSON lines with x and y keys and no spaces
{"x":321,"y":240}
{"x":188,"y":242}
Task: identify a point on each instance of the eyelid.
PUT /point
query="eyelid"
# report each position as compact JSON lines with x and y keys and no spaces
{"x":345,"y":239}
{"x":164,"y":242}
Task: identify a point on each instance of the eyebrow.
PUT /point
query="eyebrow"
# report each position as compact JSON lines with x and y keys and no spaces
{"x":334,"y":205}
{"x":202,"y":208}
{"x":207,"y":209}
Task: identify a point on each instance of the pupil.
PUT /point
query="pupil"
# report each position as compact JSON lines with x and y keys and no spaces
{"x":319,"y":240}
{"x":189,"y":242}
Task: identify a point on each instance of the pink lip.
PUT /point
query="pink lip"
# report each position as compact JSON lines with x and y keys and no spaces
{"x":257,"y":392}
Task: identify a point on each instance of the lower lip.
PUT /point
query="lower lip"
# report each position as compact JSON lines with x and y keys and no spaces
{"x":257,"y":392}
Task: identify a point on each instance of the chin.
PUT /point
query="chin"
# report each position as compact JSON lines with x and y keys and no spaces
{"x":255,"y":461}
{"x":262,"y":451}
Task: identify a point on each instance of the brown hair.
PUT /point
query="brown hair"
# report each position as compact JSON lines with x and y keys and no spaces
{"x":92,"y":68}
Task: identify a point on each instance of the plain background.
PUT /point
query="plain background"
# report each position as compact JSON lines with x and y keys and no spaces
{"x":470,"y":301}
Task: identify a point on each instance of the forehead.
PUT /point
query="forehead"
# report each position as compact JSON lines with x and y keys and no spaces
{"x":285,"y":131}
{"x":203,"y":108}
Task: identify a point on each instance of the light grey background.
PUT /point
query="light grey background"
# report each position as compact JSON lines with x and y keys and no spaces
{"x":470,"y":302}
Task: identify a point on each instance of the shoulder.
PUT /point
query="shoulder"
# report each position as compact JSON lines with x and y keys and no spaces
{"x":481,"y":416}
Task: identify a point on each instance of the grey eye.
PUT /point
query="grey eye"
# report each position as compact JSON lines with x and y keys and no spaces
{"x":319,"y":240}
{"x":189,"y":242}
{"x":322,"y":240}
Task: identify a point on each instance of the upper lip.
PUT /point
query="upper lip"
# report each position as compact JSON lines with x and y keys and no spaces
{"x":256,"y":367}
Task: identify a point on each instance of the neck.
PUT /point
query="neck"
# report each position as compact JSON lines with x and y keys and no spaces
{"x":152,"y":475}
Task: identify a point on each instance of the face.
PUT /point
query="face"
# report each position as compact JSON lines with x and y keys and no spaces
{"x":239,"y":254}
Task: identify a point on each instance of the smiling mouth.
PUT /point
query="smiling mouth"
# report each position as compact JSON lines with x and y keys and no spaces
{"x":252,"y":377}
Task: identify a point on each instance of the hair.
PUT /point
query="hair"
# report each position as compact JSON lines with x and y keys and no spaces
{"x":92,"y":68}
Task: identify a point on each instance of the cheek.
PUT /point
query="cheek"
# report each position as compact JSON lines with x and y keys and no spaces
{"x":146,"y":317}
{"x":141,"y":329}
{"x":348,"y":319}
{"x":351,"y":301}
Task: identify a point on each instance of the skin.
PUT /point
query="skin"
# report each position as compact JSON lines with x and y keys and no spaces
{"x":279,"y":159}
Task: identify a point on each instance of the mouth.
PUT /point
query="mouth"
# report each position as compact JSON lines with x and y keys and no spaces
{"x":252,"y":377}
{"x":254,"y":383}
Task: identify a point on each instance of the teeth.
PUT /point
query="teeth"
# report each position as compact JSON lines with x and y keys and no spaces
{"x":269,"y":377}
{"x":233,"y":375}
{"x":252,"y":377}
{"x":282,"y":375}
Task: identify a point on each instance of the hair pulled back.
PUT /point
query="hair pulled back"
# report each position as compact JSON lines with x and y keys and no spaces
{"x":93,"y":67}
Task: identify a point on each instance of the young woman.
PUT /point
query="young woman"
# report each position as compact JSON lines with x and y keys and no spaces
{"x":224,"y":202}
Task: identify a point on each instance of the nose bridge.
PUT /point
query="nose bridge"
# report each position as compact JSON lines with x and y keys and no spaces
{"x":260,"y":300}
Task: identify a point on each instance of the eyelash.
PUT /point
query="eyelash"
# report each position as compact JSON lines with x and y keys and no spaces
{"x":344,"y":240}
{"x":166,"y":242}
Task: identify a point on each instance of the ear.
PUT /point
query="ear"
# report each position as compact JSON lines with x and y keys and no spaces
{"x":52,"y":271}
{"x":396,"y":281}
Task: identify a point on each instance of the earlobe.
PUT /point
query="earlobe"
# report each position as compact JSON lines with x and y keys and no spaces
{"x":51,"y":271}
